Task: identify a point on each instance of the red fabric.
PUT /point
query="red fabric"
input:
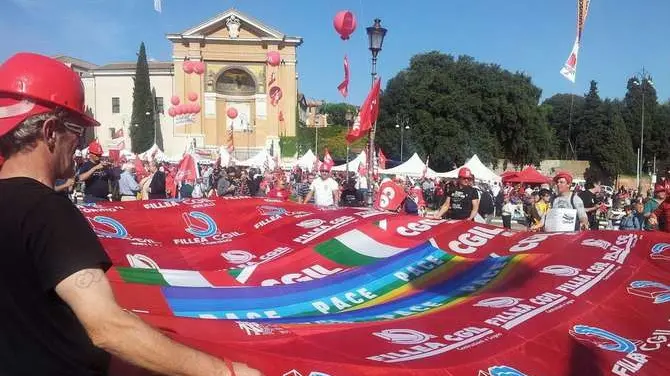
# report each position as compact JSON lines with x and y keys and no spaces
{"x":344,"y":86}
{"x":367,"y":115}
{"x":390,"y":196}
{"x":187,"y":169}
{"x":281,"y":194}
{"x":328,"y":162}
{"x":382,"y":160}
{"x":663,"y":211}
{"x":500,"y":303}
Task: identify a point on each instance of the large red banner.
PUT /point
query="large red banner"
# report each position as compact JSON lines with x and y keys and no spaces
{"x":363,"y":292}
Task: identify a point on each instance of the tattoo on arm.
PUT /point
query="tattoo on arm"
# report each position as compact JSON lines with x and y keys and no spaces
{"x":86,"y":278}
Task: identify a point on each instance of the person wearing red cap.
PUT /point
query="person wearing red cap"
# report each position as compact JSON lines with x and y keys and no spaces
{"x":661,"y":216}
{"x":567,"y":211}
{"x":462,"y":201}
{"x":652,"y":204}
{"x":95,"y":174}
{"x":59,"y":315}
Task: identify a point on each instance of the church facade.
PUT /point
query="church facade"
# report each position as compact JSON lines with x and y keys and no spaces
{"x":220,"y":89}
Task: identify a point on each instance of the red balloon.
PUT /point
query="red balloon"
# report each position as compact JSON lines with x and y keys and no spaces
{"x":188,"y":67}
{"x":345,"y":23}
{"x":273,"y":58}
{"x":232,"y":112}
{"x":193,"y":96}
{"x":197,"y":108}
{"x":175,"y":100}
{"x":180,"y":110}
{"x":172,"y":112}
{"x":199,"y":67}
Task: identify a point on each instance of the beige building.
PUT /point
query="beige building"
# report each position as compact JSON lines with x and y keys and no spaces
{"x":232,"y":48}
{"x":309,"y":112}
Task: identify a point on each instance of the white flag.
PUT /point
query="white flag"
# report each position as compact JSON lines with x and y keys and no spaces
{"x":158,"y":6}
{"x":569,"y":70}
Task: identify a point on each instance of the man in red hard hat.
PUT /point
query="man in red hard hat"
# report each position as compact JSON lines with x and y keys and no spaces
{"x":462,"y":202}
{"x":59,"y":315}
{"x":95,"y":174}
{"x":567,"y":212}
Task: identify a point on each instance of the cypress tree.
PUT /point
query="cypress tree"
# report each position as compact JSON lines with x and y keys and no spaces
{"x":142,"y":125}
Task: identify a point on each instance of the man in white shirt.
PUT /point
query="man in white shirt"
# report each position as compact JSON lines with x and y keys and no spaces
{"x":325,"y":190}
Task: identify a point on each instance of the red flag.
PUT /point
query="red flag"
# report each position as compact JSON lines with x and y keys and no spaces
{"x":328,"y":160}
{"x":382,"y":160}
{"x":390,"y":196}
{"x":187,"y":169}
{"x":367,"y":115}
{"x":344,"y":86}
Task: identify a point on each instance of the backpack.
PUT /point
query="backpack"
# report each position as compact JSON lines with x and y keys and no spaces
{"x":486,"y":205}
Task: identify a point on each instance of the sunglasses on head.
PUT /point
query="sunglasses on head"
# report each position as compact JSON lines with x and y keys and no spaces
{"x":74,"y":128}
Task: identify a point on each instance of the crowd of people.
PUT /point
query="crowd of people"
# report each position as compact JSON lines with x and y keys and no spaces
{"x":98,"y":179}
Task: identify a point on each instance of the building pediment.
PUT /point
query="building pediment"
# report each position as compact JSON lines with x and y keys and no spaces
{"x":233,"y":25}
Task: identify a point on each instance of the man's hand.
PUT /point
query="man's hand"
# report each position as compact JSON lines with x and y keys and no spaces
{"x":242,"y":369}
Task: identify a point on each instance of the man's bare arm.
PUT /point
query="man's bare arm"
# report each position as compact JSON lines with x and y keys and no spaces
{"x":118,"y":332}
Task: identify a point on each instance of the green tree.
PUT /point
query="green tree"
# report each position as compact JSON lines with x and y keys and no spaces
{"x":612,"y":152}
{"x":142,"y":125}
{"x":591,"y":124}
{"x":459,"y":107}
{"x":659,"y":139}
{"x":157,"y":123}
{"x":641,"y":99}
{"x":562,"y":110}
{"x":337,"y":112}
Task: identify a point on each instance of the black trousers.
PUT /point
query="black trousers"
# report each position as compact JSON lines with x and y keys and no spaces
{"x":507,"y":221}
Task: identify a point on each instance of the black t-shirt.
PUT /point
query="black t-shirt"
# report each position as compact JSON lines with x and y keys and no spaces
{"x":590,"y":201}
{"x":44,"y":240}
{"x":97,"y":184}
{"x":460,"y":204}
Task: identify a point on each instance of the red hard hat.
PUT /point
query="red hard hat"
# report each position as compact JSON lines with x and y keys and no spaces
{"x":465,"y":173}
{"x":95,"y":148}
{"x":563,"y":174}
{"x":32,"y":84}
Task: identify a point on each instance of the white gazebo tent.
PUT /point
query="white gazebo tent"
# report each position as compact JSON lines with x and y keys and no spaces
{"x":260,"y":160}
{"x":154,"y":153}
{"x":353,"y":164}
{"x":414,"y":167}
{"x":479,"y":170}
{"x":306,"y":162}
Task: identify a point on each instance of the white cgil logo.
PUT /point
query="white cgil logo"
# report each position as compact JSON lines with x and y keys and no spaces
{"x":311,"y":223}
{"x":561,"y":270}
{"x":404,"y":336}
{"x":498,"y":302}
{"x":237,"y":256}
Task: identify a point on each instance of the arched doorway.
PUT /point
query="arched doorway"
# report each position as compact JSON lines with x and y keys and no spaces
{"x":237,"y":87}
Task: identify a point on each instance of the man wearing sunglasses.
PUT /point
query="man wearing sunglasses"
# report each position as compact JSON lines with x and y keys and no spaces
{"x":462,"y":201}
{"x":59,"y":315}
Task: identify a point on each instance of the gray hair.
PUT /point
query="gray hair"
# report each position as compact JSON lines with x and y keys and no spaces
{"x":25,"y":136}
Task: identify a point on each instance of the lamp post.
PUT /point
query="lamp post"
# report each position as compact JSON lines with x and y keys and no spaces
{"x":639,"y":80}
{"x":348,"y":117}
{"x":376,"y":34}
{"x":402,"y":124}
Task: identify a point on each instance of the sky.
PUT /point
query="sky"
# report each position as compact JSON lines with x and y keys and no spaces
{"x":532,"y":36}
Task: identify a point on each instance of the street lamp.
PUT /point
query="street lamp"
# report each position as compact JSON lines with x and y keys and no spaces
{"x":402,"y":124}
{"x":639,"y":80}
{"x":376,"y":34}
{"x":349,"y":118}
